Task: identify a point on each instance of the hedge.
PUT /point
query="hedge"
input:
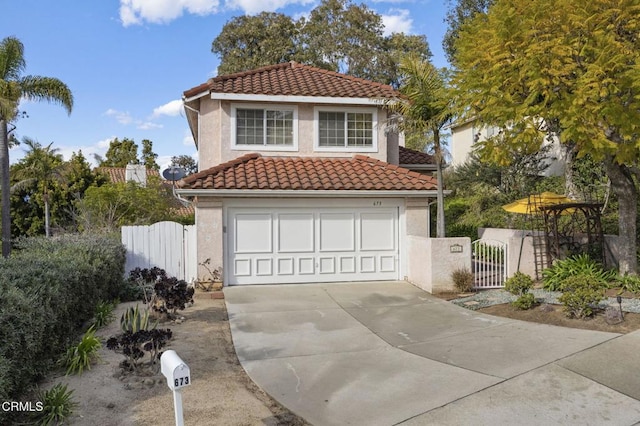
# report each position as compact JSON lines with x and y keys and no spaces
{"x":49,"y":288}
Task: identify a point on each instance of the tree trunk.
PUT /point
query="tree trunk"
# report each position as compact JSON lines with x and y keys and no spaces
{"x":570,"y":188}
{"x":623,"y":186}
{"x":440,"y":225}
{"x":46,"y":214}
{"x":5,"y":189}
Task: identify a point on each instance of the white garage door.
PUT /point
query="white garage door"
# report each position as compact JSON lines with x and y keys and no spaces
{"x":297,"y":245}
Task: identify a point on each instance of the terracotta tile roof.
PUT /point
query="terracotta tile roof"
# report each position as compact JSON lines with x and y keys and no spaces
{"x":294,"y":79}
{"x":410,"y":156}
{"x":117,"y":174}
{"x":252,"y":171}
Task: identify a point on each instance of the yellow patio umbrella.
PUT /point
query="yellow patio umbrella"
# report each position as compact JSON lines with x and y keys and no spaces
{"x":529,"y":204}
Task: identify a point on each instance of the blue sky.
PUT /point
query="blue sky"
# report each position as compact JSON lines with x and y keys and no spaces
{"x":127,"y":62}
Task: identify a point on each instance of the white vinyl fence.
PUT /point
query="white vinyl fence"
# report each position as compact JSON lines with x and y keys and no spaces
{"x":167,"y":245}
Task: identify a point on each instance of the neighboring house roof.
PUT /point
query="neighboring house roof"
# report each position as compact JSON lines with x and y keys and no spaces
{"x":410,"y":156}
{"x":294,"y":79}
{"x":360,"y":173}
{"x":118,"y":174}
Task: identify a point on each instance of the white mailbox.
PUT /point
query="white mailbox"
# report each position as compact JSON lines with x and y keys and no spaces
{"x":175,"y":370}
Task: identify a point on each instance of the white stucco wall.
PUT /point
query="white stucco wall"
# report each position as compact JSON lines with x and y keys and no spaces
{"x":432,"y":260}
{"x":215,"y":145}
{"x":210,"y":233}
{"x":462,"y":138}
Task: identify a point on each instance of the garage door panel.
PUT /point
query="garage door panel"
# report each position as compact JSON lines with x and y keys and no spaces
{"x":285,"y":266}
{"x":337,"y":232}
{"x":242,"y":267}
{"x":327,"y":265}
{"x":367,"y":264}
{"x":296,"y":233}
{"x":377,"y":231}
{"x":387,"y":263}
{"x":305,"y":244}
{"x":253,"y":233}
{"x":347,"y":264}
{"x":306,"y":266}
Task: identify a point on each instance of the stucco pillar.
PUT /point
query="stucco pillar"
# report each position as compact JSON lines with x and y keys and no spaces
{"x":209,"y":227}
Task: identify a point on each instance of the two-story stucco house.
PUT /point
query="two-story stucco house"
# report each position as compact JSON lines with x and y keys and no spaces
{"x":301,"y":181}
{"x":466,"y":134}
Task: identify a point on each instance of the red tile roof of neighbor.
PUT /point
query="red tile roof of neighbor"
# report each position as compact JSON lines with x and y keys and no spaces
{"x":252,"y":171}
{"x":410,"y":156}
{"x":294,"y":79}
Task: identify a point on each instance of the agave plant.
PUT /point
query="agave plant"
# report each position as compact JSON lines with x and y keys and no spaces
{"x":136,"y":319}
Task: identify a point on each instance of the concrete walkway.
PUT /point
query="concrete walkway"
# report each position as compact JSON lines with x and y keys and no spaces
{"x":389,"y":353}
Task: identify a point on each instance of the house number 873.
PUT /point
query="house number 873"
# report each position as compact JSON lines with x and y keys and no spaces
{"x":377,"y":203}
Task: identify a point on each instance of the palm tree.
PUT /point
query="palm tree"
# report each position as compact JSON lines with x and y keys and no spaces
{"x":41,"y":166}
{"x":13,"y":88}
{"x":425,"y":111}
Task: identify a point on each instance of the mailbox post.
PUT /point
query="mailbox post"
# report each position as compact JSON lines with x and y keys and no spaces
{"x":178,"y":376}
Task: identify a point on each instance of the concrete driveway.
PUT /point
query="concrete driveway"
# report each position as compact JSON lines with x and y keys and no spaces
{"x":388,"y":353}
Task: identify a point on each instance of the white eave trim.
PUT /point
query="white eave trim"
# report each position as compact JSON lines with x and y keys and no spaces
{"x":297,"y":99}
{"x":193,"y":98}
{"x":302,"y":193}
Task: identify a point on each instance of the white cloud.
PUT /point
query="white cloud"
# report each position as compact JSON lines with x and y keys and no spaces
{"x":397,"y":21}
{"x":126,"y":119}
{"x":148,"y":125}
{"x":135,"y":12}
{"x":120,"y":116}
{"x":188,"y":138}
{"x":172,"y":109}
{"x":253,"y":7}
{"x":164,"y":161}
{"x":104,"y":143}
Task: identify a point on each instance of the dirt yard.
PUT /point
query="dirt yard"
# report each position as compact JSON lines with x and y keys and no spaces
{"x":221,"y":392}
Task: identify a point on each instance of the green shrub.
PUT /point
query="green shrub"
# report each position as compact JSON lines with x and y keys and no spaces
{"x":519,"y":284}
{"x":49,"y":288}
{"x":462,"y":279}
{"x":525,"y":301}
{"x":580,"y":294}
{"x":629,"y":283}
{"x":103,"y":314}
{"x":575,"y":265}
{"x":57,"y":405}
{"x":81,"y":356}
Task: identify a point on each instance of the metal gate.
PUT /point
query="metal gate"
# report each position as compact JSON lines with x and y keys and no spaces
{"x":489,"y":263}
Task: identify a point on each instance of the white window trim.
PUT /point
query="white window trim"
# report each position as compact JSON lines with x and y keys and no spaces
{"x":316,"y":130}
{"x":236,"y":147}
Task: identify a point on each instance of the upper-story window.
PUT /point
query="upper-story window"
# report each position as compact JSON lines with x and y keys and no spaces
{"x":264,"y":127}
{"x":346,"y":129}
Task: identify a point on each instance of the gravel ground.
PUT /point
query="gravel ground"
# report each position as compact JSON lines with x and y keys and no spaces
{"x":485,"y":298}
